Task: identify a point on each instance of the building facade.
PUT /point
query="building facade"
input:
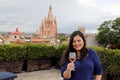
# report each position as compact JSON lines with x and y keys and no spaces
{"x":47,"y":31}
{"x":17,"y":37}
{"x":48,"y":27}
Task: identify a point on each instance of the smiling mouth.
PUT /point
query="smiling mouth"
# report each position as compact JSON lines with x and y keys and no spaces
{"x":77,"y":47}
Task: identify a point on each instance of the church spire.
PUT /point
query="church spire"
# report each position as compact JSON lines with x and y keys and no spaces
{"x":50,"y":11}
{"x":48,"y":30}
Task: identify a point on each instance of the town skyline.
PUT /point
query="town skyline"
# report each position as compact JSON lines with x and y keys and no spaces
{"x":27,"y":15}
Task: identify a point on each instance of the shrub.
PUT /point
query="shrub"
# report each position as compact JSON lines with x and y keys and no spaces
{"x":12,"y":52}
{"x":35,"y":51}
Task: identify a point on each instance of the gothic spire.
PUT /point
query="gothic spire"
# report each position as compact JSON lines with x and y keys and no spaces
{"x":50,"y":12}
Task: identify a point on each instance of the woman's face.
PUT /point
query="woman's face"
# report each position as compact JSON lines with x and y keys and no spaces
{"x":78,"y":43}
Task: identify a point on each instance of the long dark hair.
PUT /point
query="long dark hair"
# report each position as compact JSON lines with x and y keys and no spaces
{"x":83,"y":51}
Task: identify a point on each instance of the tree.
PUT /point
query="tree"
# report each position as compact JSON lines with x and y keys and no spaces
{"x":62,"y":37}
{"x":109,"y":33}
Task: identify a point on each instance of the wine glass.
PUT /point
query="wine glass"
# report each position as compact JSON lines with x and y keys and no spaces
{"x":72,"y":57}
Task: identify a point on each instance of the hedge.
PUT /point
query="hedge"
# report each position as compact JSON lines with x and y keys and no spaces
{"x":109,"y":58}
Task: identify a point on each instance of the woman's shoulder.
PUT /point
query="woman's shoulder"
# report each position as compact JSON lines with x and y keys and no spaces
{"x":92,"y":52}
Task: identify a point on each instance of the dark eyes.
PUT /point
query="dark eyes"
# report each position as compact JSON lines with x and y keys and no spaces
{"x":77,"y":41}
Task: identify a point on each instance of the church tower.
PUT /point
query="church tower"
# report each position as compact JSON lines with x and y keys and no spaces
{"x":48,"y":27}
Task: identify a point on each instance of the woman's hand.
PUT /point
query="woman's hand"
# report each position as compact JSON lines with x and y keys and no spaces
{"x":71,"y":66}
{"x":67,"y":72}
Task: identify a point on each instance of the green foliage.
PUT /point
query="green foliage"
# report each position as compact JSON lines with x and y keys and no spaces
{"x":109,"y":33}
{"x":35,"y":51}
{"x":12,"y":52}
{"x":2,"y":52}
{"x":62,"y":37}
{"x":27,"y":51}
{"x":110,"y":60}
{"x":49,"y":51}
{"x":60,"y":50}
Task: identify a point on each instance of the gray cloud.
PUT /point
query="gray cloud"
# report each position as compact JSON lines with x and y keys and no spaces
{"x":70,"y":14}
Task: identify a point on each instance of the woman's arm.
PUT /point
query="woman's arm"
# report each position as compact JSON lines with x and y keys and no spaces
{"x":97,"y":65}
{"x":67,"y":72}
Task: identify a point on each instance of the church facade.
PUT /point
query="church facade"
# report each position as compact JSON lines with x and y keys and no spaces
{"x":48,"y":29}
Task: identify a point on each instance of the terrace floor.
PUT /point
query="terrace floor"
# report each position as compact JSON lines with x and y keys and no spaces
{"x":52,"y":74}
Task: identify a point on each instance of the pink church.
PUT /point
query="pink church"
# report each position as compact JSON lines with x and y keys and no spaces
{"x":48,"y":30}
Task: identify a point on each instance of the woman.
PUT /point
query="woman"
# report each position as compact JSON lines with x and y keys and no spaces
{"x":87,"y":65}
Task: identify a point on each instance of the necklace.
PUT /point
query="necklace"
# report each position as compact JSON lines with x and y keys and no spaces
{"x":78,"y":57}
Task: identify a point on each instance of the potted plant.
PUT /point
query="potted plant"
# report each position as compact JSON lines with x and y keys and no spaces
{"x":39,"y":56}
{"x":11,"y":58}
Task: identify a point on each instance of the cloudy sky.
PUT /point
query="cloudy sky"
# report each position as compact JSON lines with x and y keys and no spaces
{"x":70,"y":14}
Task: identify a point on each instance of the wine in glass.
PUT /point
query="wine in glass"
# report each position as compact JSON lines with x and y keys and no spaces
{"x":72,"y":57}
